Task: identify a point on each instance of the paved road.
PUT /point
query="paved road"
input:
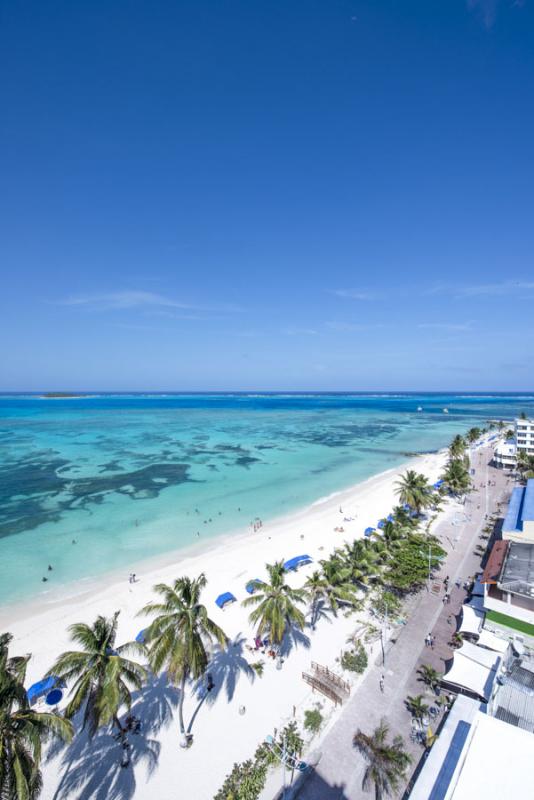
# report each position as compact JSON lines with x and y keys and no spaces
{"x":339,"y":773}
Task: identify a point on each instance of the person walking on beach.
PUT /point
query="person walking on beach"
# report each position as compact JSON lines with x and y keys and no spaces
{"x":381,"y":683}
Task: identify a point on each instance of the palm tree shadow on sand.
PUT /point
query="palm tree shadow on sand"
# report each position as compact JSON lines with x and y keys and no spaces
{"x":293,"y":638}
{"x":91,"y":768}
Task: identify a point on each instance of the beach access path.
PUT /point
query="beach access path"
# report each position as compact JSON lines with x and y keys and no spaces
{"x":339,"y":772}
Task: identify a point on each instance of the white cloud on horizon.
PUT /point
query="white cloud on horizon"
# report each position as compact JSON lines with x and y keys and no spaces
{"x":446,"y":326}
{"x":354,"y":294}
{"x":135,"y":299}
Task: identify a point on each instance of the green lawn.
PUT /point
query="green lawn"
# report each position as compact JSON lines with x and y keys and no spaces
{"x":510,"y":622}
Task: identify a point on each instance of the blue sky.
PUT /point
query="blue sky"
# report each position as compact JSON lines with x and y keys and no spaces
{"x":289,"y":194}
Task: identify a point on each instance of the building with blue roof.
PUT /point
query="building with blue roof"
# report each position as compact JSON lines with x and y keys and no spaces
{"x":518,"y":525}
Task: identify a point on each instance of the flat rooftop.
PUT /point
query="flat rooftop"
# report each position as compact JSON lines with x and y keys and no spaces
{"x":517,"y":573}
{"x":520,"y":508}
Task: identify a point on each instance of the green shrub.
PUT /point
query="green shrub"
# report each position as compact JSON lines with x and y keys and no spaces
{"x":355,"y":660}
{"x":313,"y":719}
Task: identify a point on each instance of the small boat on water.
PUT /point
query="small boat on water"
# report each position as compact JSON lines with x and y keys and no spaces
{"x":445,"y":410}
{"x":419,"y":408}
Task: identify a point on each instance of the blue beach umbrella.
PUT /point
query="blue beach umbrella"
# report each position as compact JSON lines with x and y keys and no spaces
{"x":368,"y":531}
{"x":253,"y":585}
{"x":41,"y":688}
{"x":297,"y":561}
{"x":224,"y":598}
{"x":140,"y":638}
{"x":54,"y":697}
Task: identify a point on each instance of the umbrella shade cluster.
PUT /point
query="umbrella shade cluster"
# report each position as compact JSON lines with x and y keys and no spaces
{"x":39,"y":689}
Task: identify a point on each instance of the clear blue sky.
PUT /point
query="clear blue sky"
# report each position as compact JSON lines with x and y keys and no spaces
{"x":292,"y":194}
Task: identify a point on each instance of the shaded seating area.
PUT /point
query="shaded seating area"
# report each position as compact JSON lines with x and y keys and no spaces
{"x":225,"y":598}
{"x":296,"y":562}
{"x":42,"y":688}
{"x":472,"y":621}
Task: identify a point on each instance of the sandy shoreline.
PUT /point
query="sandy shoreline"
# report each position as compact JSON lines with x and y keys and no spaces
{"x":228,"y":562}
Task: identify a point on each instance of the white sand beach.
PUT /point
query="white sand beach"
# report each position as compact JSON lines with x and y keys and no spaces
{"x":222,"y":735}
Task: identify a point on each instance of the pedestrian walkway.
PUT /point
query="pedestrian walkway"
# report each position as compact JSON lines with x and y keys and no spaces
{"x":338,"y":775}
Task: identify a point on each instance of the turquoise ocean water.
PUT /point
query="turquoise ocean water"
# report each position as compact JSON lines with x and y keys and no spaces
{"x":133,"y":476}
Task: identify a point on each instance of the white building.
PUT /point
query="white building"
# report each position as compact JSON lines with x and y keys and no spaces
{"x":505,"y":455}
{"x":524,"y":435}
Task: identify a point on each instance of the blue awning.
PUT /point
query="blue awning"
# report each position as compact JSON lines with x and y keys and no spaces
{"x":140,"y":638}
{"x":40,"y":688}
{"x":253,"y":585}
{"x":223,"y":599}
{"x":297,"y":561}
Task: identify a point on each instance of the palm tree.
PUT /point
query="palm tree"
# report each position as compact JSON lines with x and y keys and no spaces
{"x":103,"y":677}
{"x":457,"y":447}
{"x":276,"y":603}
{"x":414,"y":489}
{"x":22,"y":730}
{"x":179,"y":637}
{"x":430,"y":676}
{"x":362,"y":561}
{"x":473,"y":434}
{"x":456,"y":477}
{"x":330,"y":586}
{"x":416,"y":706}
{"x":386,"y":762}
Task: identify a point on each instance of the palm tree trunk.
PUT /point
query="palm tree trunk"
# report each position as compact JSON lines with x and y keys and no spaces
{"x":184,"y":742}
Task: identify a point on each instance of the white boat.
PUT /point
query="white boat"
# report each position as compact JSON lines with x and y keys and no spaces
{"x":445,"y":410}
{"x":419,"y":408}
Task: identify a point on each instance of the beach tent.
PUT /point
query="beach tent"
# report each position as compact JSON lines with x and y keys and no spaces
{"x":472,"y":620}
{"x":253,"y":585}
{"x":41,"y":688}
{"x":368,"y":531}
{"x":487,"y":658}
{"x":297,"y":561}
{"x":223,"y":599}
{"x":470,"y":675}
{"x":140,"y":638}
{"x":438,"y":484}
{"x":492,"y":642}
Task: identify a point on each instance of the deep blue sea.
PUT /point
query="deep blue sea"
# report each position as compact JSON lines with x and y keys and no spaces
{"x":132,"y":476}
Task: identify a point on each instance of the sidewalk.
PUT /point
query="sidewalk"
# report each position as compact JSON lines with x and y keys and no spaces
{"x":340,"y":770}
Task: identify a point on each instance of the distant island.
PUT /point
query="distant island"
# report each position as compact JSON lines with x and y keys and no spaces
{"x":62,"y":395}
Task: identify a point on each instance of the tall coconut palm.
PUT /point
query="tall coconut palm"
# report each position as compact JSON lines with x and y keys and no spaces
{"x":103,"y":676}
{"x":363,"y":561}
{"x":181,"y":636}
{"x":414,"y":489}
{"x":22,"y":730}
{"x":473,"y":434}
{"x":457,"y":447}
{"x":330,"y":585}
{"x":456,"y":477}
{"x":277,"y":605}
{"x":387,"y":762}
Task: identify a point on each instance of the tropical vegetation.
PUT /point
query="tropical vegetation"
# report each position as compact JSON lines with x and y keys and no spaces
{"x":277,"y":605}
{"x":181,"y":636}
{"x":386,"y":762}
{"x":102,"y":675}
{"x":23,"y":731}
{"x":414,"y":490}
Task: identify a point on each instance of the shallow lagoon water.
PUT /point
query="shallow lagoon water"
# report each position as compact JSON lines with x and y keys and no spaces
{"x":133,"y":476}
